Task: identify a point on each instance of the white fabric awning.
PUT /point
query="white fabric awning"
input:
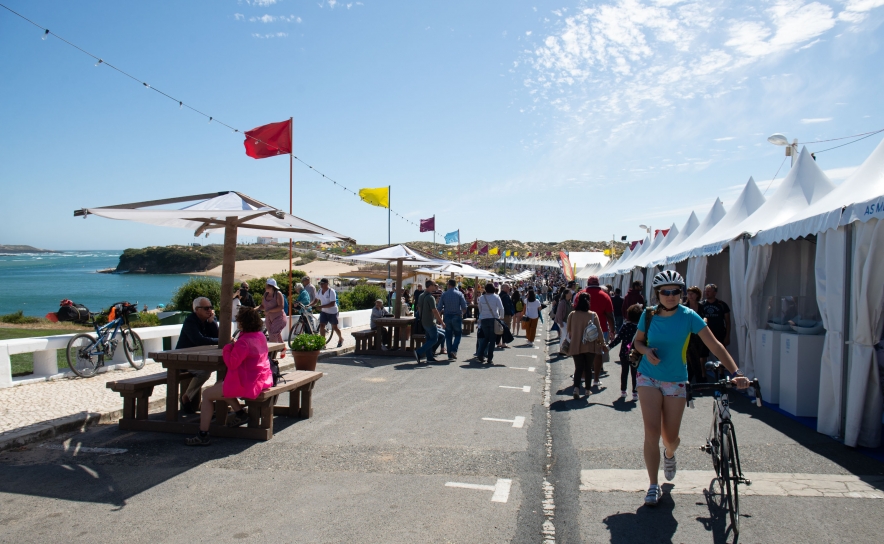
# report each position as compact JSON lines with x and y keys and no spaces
{"x":686,"y":230}
{"x":627,"y":265}
{"x":395,"y":253}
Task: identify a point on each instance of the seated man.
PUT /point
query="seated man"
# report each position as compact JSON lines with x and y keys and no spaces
{"x":199,"y":329}
{"x":376,"y":313}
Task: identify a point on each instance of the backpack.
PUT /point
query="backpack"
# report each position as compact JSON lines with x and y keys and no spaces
{"x":69,"y":311}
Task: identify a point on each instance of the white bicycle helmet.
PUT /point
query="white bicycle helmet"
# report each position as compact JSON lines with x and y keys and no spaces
{"x":668,"y":277}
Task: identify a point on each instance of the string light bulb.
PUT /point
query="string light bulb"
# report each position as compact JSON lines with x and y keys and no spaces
{"x":99,"y":62}
{"x":146,"y":86}
{"x":180,"y":104}
{"x":210,"y":119}
{"x":45,"y":33}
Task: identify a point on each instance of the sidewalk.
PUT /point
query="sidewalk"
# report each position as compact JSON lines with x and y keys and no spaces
{"x":41,"y":410}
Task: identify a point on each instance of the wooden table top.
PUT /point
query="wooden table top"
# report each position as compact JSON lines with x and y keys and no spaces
{"x":201,"y":354}
{"x":393,"y":321}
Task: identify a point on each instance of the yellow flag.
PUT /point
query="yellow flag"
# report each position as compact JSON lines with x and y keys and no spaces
{"x":494,"y":251}
{"x":508,"y":253}
{"x":607,"y":252}
{"x":516,"y":254}
{"x":376,"y":197}
{"x":449,"y":253}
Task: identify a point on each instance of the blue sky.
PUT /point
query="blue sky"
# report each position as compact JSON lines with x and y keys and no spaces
{"x":499,"y":117}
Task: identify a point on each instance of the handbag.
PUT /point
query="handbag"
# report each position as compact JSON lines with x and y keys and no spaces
{"x":634,"y":356}
{"x":590,"y":333}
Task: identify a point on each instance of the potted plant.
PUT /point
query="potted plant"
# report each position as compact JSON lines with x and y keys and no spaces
{"x":305,"y":350}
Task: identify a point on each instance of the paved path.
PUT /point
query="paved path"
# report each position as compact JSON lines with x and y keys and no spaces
{"x":455,"y":452}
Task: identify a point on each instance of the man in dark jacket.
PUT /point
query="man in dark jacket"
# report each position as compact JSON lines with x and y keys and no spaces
{"x":617,"y":301}
{"x":199,"y":329}
{"x":245,"y":297}
{"x":634,"y":296}
{"x":509,"y":310}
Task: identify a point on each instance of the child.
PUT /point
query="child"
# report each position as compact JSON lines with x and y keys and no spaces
{"x":624,"y":338}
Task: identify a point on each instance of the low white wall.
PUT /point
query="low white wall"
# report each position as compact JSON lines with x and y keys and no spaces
{"x":45,"y":349}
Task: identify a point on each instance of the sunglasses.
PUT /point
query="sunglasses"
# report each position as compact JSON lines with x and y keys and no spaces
{"x":670,"y":292}
{"x":205,"y":308}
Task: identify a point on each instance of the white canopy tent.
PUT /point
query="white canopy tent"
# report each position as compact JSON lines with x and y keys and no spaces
{"x":229,"y":211}
{"x":581,"y":259}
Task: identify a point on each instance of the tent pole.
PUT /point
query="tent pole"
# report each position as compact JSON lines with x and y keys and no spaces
{"x":397,"y":309}
{"x":291,"y":212}
{"x":227,"y":270}
{"x":847,"y":299}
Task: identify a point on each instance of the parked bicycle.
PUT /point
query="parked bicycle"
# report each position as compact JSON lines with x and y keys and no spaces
{"x":87,"y":353}
{"x":722,"y":442}
{"x":306,"y":324}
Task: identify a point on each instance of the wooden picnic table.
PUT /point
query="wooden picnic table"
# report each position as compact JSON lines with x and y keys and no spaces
{"x":177,"y":362}
{"x":396,"y":326}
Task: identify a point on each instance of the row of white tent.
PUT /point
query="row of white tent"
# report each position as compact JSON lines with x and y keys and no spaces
{"x":809,"y":238}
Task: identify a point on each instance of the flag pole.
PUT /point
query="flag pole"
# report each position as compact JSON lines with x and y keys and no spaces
{"x":389,"y":238}
{"x":291,"y":212}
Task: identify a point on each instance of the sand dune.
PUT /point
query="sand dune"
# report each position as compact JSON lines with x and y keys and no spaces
{"x":246,"y":270}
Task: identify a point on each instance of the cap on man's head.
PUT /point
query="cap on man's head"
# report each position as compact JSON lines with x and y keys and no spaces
{"x":592,"y":280}
{"x":244,"y":285}
{"x":323,"y":280}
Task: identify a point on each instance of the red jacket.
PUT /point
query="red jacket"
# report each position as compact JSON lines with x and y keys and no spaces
{"x":632,"y":297}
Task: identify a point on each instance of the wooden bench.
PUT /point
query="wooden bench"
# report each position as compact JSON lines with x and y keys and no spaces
{"x":417,"y":340}
{"x":136,"y":392}
{"x":365,"y":340}
{"x":469,"y":325}
{"x":299,"y":385}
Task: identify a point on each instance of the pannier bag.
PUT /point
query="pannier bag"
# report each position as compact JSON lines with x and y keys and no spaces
{"x":69,"y":311}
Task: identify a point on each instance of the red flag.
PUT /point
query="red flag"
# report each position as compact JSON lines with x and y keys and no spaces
{"x":473,"y":247}
{"x":428,"y":225}
{"x":269,"y":140}
{"x":484,"y":250}
{"x":529,"y":253}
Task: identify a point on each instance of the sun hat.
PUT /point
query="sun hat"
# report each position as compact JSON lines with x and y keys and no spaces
{"x":272,"y":283}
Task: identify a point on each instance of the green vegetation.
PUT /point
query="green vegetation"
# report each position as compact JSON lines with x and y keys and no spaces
{"x":307,"y":342}
{"x":361,"y":297}
{"x":19,"y":318}
{"x":195,"y":287}
{"x":184,"y":259}
{"x":23,"y":363}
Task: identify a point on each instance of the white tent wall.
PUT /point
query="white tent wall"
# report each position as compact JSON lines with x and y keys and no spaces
{"x":864,"y":399}
{"x":748,"y":274}
{"x":695,"y":273}
{"x":650,"y":296}
{"x":831,"y":247}
{"x":737,"y":269}
{"x":718,"y":272}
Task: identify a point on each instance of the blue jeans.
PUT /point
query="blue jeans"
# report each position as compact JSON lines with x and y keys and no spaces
{"x":618,"y":322}
{"x":453,"y":332}
{"x":486,"y":344}
{"x":431,"y":335}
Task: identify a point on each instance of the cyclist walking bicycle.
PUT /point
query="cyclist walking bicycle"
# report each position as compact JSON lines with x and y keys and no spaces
{"x":663,"y":331}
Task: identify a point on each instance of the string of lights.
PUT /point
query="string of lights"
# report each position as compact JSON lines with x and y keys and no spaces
{"x":99,"y":61}
{"x":864,"y":134}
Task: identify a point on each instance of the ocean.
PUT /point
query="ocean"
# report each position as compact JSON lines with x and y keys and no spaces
{"x":35,"y":283}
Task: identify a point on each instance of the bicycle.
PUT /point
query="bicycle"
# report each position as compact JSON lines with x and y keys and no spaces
{"x":87,"y":353}
{"x":721,"y":443}
{"x":306,"y":323}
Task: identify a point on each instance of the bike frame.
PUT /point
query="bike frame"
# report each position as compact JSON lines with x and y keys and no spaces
{"x":102,"y":333}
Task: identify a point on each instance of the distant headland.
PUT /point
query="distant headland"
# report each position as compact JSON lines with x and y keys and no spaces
{"x":16,"y":250}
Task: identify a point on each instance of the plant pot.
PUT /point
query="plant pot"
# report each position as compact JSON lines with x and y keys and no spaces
{"x":306,"y":360}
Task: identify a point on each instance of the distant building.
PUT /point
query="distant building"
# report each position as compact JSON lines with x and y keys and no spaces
{"x":266,"y":240}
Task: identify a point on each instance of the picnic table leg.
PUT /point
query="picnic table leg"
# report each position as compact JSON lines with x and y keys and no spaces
{"x":172,"y":394}
{"x":141,"y":408}
{"x":307,"y":401}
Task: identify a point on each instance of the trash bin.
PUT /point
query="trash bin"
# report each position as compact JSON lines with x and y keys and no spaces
{"x":171,"y":318}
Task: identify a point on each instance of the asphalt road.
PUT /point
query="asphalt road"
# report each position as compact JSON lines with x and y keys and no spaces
{"x":398,"y":452}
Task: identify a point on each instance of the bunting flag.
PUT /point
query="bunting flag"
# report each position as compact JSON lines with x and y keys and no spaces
{"x":452,"y":237}
{"x":508,"y":253}
{"x":376,"y":197}
{"x":428,"y":225}
{"x":494,"y":251}
{"x":607,"y":253}
{"x":473,"y":247}
{"x":516,"y":254}
{"x":449,"y":253}
{"x":567,"y":269}
{"x":269,"y":140}
{"x":529,"y":253}
{"x":548,"y":253}
{"x":484,"y":250}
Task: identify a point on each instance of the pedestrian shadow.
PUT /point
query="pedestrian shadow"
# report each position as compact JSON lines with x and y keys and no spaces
{"x":365,"y":362}
{"x":412,"y":366}
{"x":622,"y":405}
{"x":480,"y":366}
{"x":646,"y":524}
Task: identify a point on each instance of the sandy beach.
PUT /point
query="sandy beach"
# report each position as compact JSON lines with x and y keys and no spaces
{"x":246,"y":270}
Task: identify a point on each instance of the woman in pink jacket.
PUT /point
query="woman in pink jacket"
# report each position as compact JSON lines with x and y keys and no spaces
{"x":248,"y":373}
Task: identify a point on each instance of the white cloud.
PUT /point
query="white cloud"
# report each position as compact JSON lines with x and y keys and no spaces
{"x":856,"y":11}
{"x":262,"y":3}
{"x":239,"y":16}
{"x":332,"y":3}
{"x":271,"y":35}
{"x":816,"y":120}
{"x":275,"y":18}
{"x":725,"y":139}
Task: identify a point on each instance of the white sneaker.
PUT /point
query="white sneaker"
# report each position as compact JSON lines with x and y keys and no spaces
{"x":668,"y":466}
{"x":623,"y":395}
{"x":596,"y":383}
{"x":654,"y":495}
{"x":634,"y":396}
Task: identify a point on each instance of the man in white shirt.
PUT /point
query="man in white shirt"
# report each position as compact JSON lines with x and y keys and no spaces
{"x":327,"y":300}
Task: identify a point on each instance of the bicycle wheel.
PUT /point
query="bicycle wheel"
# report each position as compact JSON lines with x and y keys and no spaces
{"x":728,"y":483}
{"x":134,"y":349}
{"x":733,"y":479}
{"x":84,"y":355}
{"x":330,"y":332}
{"x":296,"y":330}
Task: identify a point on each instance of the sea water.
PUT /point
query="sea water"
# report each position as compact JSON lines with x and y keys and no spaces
{"x":36,"y":283}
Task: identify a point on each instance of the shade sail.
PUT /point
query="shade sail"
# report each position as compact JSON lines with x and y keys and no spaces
{"x":210,"y":212}
{"x":803,"y":185}
{"x":395,"y":253}
{"x":458,"y":269}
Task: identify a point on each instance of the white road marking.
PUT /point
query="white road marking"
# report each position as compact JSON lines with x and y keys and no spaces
{"x":518,"y":422}
{"x":529,"y":369}
{"x":525,"y":388}
{"x":531,"y":356}
{"x":771,"y":484}
{"x":66,"y":447}
{"x":501,"y":489}
{"x":89,"y":471}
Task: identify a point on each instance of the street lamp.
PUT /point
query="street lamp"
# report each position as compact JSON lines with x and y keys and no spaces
{"x":647,"y":229}
{"x":791,"y":149}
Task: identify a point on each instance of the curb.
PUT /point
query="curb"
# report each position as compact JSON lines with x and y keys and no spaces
{"x":79,"y":422}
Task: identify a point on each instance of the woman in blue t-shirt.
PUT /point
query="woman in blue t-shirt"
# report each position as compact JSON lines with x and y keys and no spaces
{"x":662,"y":373}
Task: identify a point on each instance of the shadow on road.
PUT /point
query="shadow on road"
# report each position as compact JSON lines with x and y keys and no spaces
{"x":646,"y":524}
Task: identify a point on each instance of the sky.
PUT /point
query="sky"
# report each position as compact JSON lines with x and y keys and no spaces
{"x":506,"y":119}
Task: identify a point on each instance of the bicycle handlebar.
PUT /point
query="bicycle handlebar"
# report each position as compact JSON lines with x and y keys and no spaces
{"x":721,"y":386}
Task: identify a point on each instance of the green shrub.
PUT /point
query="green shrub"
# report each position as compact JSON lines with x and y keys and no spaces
{"x":361,"y":297}
{"x":307,"y":342}
{"x":145,"y":320}
{"x":197,"y":287}
{"x":19,"y":318}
